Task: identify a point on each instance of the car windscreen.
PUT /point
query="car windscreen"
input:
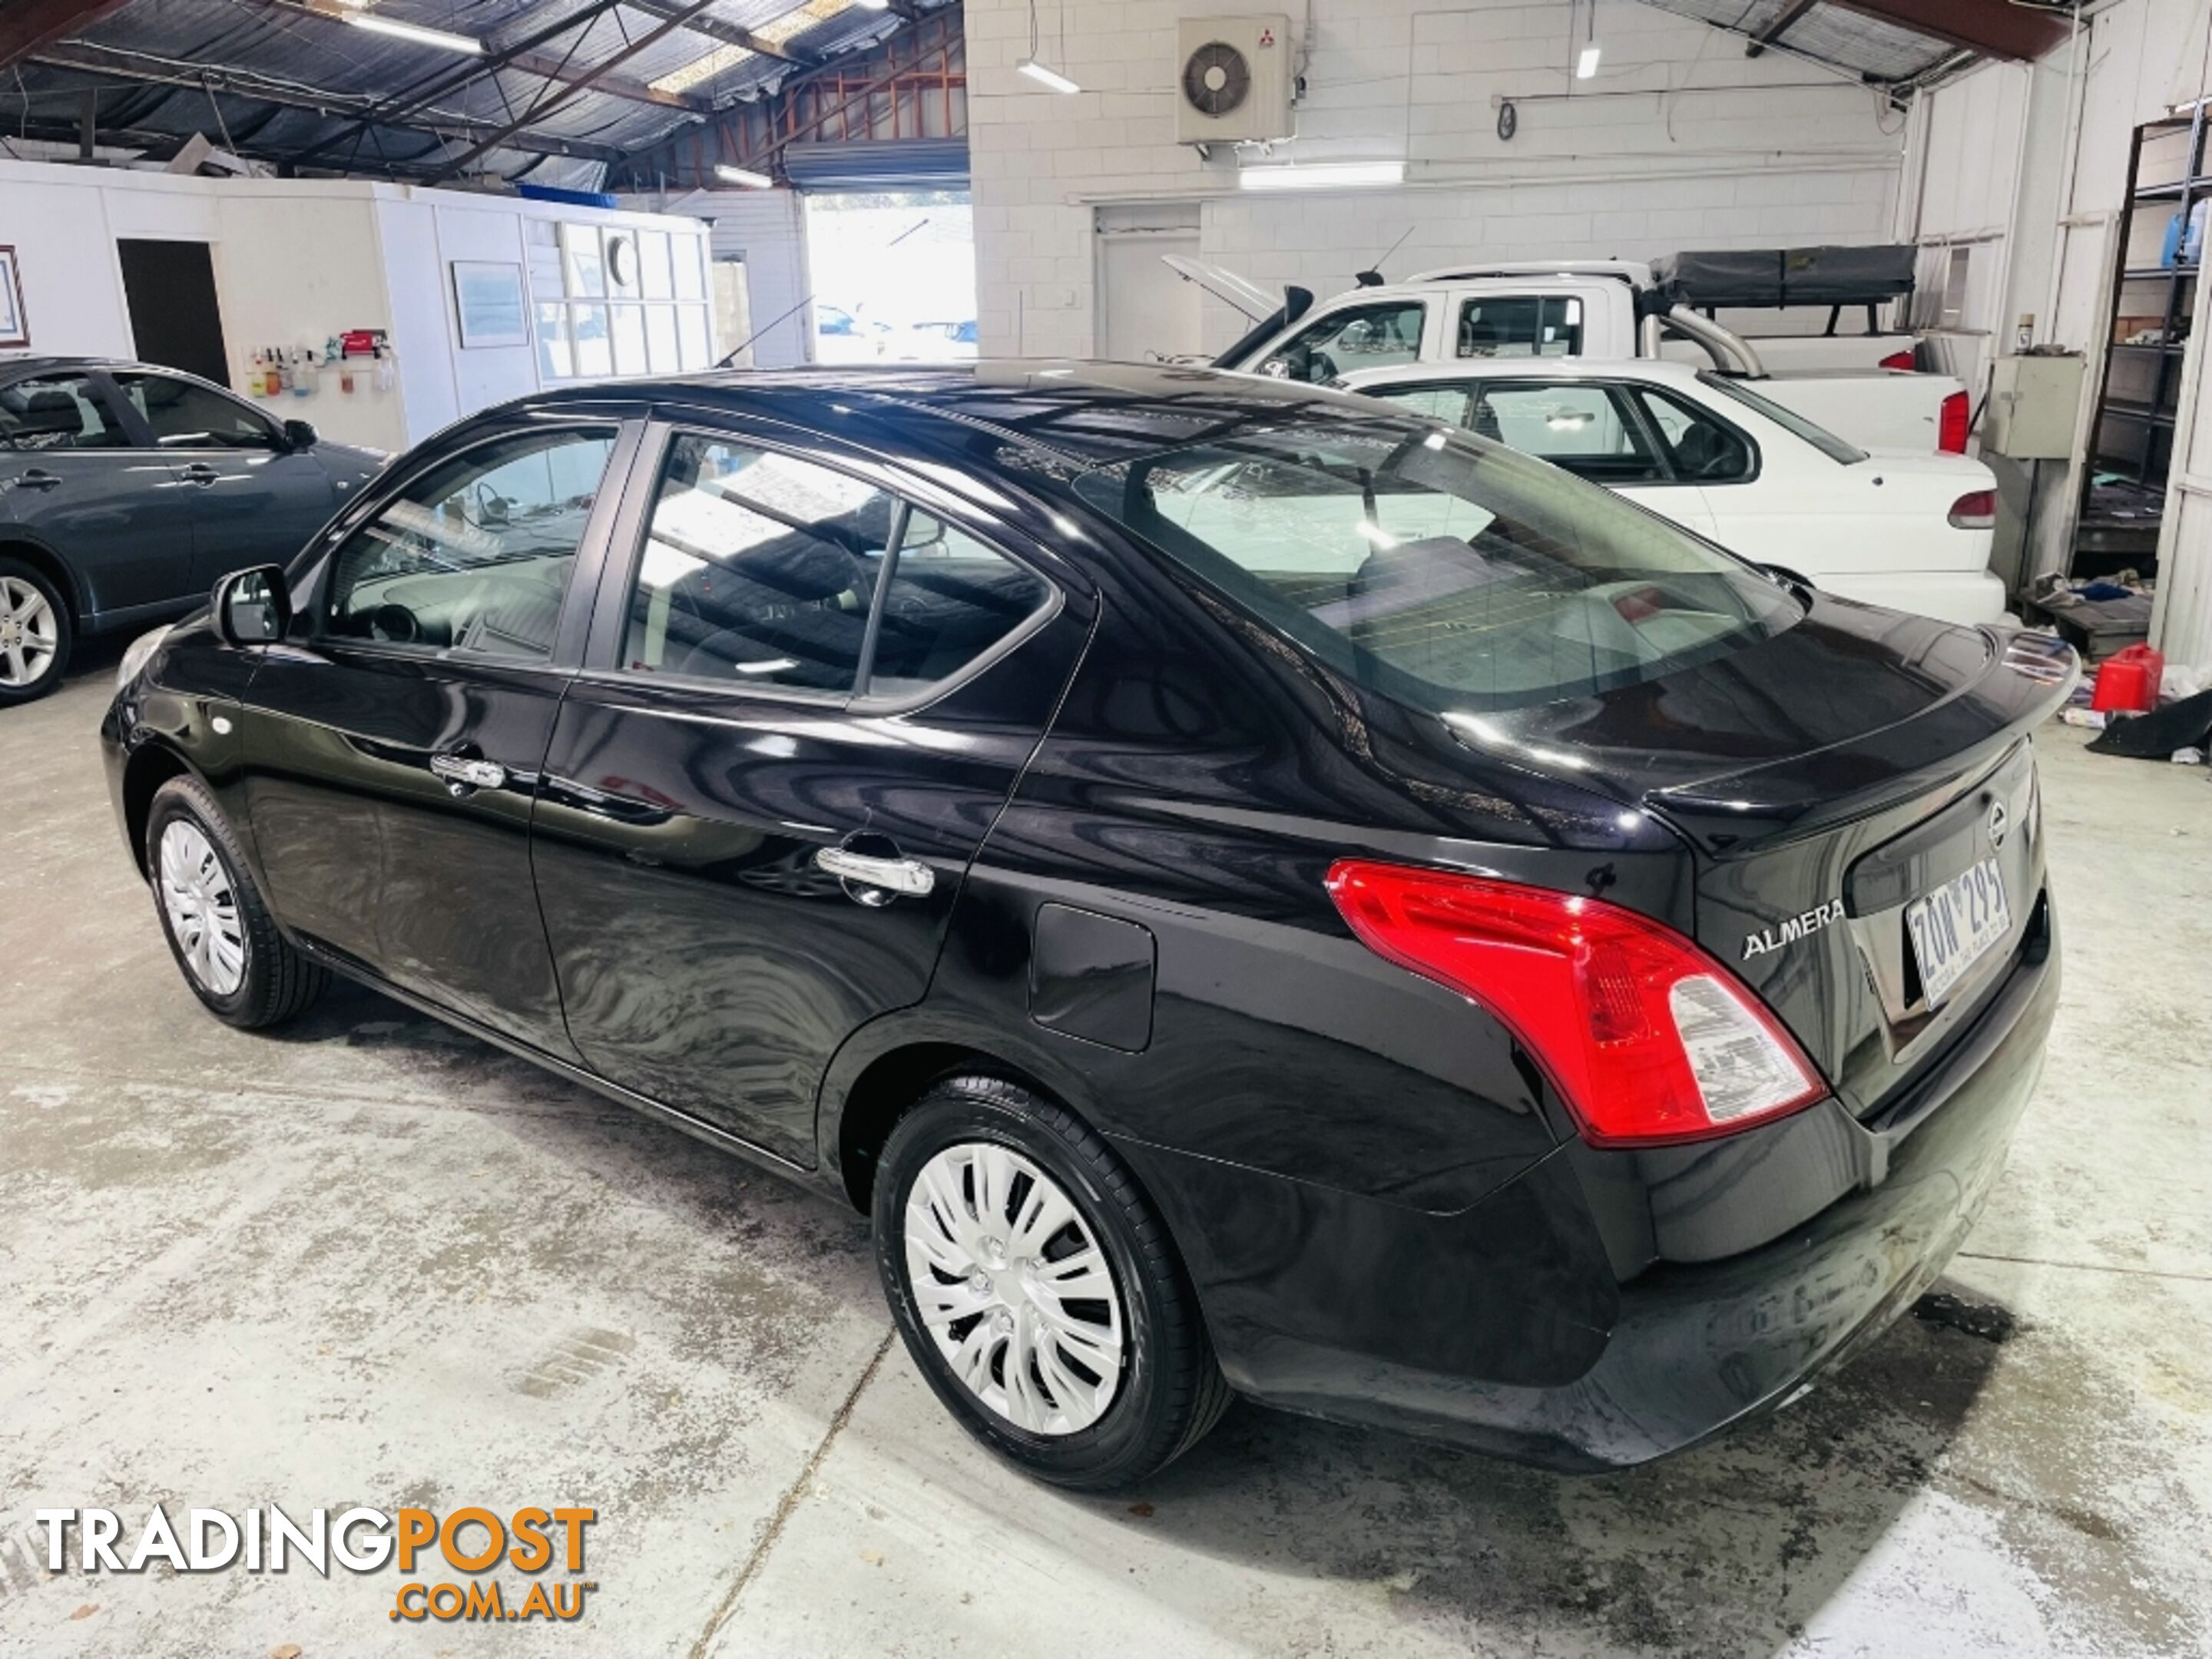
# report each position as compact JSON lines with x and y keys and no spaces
{"x":1439,"y":570}
{"x":1836,"y":449}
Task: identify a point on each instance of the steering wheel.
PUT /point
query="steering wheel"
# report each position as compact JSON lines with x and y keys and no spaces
{"x":394,"y":624}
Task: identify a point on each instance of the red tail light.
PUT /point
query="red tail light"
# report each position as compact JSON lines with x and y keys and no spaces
{"x":1903,"y":359}
{"x":1646,"y":1037}
{"x":1951,"y":425}
{"x":1975,"y":511}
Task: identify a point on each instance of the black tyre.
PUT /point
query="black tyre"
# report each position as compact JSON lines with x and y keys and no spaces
{"x":220,"y":931}
{"x":1038,"y":1290}
{"x":36,"y":633}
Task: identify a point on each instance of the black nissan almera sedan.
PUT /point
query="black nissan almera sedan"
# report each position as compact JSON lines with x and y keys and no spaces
{"x":1251,"y":890}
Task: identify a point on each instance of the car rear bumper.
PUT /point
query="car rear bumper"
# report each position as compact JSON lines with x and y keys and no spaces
{"x":1604,"y":1376}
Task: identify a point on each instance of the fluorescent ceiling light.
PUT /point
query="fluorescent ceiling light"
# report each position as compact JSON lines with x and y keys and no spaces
{"x":1330,"y":175}
{"x":1586,"y":65}
{"x":746,"y":176}
{"x":415,"y":32}
{"x":799,"y":19}
{"x":1043,"y":76}
{"x":702,"y":69}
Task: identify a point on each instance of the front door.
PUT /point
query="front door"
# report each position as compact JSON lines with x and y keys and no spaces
{"x":808,"y":700}
{"x":394,"y":745}
{"x":76,"y":478}
{"x":255,"y":499}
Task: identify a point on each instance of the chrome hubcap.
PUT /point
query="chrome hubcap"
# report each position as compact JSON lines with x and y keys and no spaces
{"x":202,"y":906}
{"x":30,"y":634}
{"x":1011,"y":1284}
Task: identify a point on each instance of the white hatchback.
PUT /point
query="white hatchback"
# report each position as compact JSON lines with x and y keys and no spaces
{"x":1911,"y":532}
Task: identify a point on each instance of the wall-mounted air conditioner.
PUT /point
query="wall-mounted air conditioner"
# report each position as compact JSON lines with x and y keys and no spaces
{"x":1235,"y":80}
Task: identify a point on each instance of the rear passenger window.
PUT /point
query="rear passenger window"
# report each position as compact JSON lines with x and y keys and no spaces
{"x":1582,"y":426}
{"x":950,"y":600}
{"x":476,"y":554}
{"x":758,"y":568}
{"x":1520,"y":326}
{"x":1702,"y":449}
{"x":763,"y":569}
{"x":63,"y":412}
{"x":1583,"y":429}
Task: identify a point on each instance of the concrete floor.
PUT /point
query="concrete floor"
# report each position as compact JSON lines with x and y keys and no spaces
{"x":369,"y":1261}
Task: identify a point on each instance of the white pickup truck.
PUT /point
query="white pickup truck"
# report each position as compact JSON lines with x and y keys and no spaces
{"x":1855,"y":384}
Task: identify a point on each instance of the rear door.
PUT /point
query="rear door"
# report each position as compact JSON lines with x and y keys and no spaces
{"x":78,"y":476}
{"x":812,"y":683}
{"x":394,"y":745}
{"x":255,"y":499}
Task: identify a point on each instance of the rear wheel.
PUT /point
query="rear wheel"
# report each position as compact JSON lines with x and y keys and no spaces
{"x":35,"y":633}
{"x":220,"y":931}
{"x":1038,"y":1291}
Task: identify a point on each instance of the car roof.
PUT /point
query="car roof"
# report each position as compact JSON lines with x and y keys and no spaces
{"x":1661,"y":370}
{"x":15,"y":368}
{"x":1070,"y":414}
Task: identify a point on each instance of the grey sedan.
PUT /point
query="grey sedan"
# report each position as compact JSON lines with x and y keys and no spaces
{"x":126,"y":488}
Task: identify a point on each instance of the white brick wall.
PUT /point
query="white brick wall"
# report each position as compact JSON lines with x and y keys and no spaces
{"x":1716,"y":149}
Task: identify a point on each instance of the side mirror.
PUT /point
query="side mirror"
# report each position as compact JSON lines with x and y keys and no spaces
{"x":253,"y":606}
{"x":300,"y":435}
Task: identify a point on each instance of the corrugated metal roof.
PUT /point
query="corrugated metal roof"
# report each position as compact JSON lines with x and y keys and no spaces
{"x":1842,"y":40}
{"x":279,"y":82}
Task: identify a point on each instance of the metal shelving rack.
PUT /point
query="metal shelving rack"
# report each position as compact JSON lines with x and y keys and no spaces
{"x":2131,"y":435}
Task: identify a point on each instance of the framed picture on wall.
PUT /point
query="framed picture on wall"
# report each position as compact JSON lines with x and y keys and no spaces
{"x":15,"y":327}
{"x":488,"y":302}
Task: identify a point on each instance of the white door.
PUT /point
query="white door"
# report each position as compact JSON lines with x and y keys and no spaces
{"x":1145,"y":312}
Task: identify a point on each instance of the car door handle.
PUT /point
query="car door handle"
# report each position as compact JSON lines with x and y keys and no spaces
{"x":201,"y":473}
{"x":907,"y":878}
{"x":463,"y":773}
{"x":39,"y":478}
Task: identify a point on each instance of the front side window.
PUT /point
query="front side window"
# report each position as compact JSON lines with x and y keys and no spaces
{"x":188,"y":416}
{"x":62,"y":412}
{"x":476,"y":554}
{"x":1379,"y":336}
{"x":1520,"y":326}
{"x":758,"y":569}
{"x":1452,"y":577}
{"x":1702,"y":450}
{"x":1583,"y":427}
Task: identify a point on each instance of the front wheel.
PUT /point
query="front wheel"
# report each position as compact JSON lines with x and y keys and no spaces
{"x":1038,"y":1291}
{"x":219,"y":929}
{"x":35,"y":633}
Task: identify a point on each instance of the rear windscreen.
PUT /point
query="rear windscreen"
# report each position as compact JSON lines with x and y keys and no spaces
{"x":1438,"y":568}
